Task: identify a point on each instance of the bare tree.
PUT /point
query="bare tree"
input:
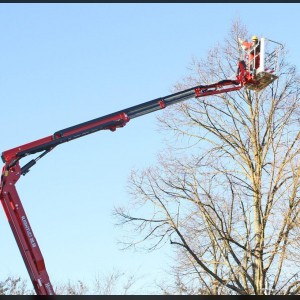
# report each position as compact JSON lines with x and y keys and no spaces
{"x":72,"y":288}
{"x":113,"y":283}
{"x":15,"y":286}
{"x":225,"y":192}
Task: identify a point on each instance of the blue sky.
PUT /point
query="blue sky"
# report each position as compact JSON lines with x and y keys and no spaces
{"x":63,"y":64}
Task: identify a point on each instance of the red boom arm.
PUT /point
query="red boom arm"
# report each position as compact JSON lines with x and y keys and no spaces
{"x":22,"y":231}
{"x":12,"y":171}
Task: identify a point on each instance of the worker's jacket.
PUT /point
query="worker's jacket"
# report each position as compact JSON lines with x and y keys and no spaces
{"x":254,"y":49}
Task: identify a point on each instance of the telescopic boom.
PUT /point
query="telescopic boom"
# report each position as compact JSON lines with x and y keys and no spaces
{"x":12,"y":171}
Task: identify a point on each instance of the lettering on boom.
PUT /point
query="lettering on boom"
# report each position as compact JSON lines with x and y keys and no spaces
{"x":29,"y":233}
{"x":48,"y":288}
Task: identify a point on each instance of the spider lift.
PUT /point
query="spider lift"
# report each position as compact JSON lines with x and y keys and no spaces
{"x":12,"y":170}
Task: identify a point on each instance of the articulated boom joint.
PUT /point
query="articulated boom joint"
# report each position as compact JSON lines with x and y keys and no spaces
{"x":223,"y":86}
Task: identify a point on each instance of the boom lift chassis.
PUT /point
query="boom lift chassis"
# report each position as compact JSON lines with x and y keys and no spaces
{"x":12,"y":171}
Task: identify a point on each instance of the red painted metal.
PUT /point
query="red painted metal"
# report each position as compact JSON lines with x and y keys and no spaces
{"x":22,"y":231}
{"x":215,"y":89}
{"x":12,"y":154}
{"x":122,"y":118}
{"x":162,"y":103}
